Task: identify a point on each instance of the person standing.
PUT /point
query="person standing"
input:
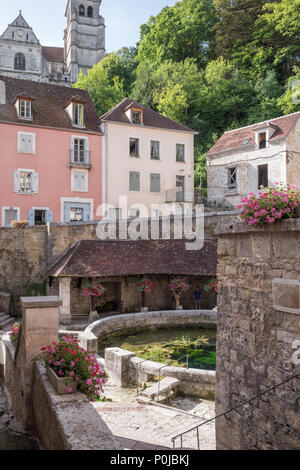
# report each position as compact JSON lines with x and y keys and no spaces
{"x":197,"y":298}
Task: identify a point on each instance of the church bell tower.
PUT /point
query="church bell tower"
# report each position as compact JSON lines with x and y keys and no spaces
{"x":84,"y":40}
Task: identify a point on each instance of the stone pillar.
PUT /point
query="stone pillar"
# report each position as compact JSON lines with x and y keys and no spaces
{"x":40,"y":324}
{"x":65,"y":296}
{"x":117,"y":365}
{"x":258,"y":331}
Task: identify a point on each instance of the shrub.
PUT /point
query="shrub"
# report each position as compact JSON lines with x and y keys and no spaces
{"x":270,"y":205}
{"x":69,"y":360}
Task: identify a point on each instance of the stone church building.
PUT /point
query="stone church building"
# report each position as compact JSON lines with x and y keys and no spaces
{"x":22,"y":55}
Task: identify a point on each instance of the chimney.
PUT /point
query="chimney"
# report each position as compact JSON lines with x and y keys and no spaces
{"x":2,"y":92}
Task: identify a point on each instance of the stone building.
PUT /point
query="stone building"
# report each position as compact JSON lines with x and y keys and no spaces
{"x":119,"y":266}
{"x":22,"y":55}
{"x":247,"y":159}
{"x":258,"y":337}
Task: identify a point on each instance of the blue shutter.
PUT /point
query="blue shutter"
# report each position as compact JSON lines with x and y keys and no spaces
{"x":49,"y":216}
{"x":31,"y":217}
{"x":67,"y":213}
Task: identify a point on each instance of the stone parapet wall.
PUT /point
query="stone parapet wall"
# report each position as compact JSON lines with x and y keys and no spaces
{"x":142,"y":321}
{"x":67,"y":422}
{"x":26,"y":254}
{"x":255,"y":340}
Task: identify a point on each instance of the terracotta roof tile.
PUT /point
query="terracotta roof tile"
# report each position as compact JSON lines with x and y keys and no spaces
{"x":94,"y":258}
{"x":234,"y":139}
{"x":49,"y":104}
{"x":150,"y":118}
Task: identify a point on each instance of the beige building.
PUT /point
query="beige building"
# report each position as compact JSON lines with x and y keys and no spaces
{"x":244,"y":160}
{"x":147,"y":158}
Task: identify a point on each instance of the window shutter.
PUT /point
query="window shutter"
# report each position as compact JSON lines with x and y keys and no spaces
{"x":83,"y":181}
{"x":49,"y":216}
{"x":134,"y":181}
{"x":155,"y":183}
{"x":31,"y":217}
{"x":35,"y":183}
{"x":16,"y":181}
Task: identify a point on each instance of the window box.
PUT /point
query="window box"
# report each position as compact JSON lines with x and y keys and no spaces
{"x":59,"y":383}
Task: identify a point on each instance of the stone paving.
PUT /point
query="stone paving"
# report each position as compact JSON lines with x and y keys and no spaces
{"x":143,"y":427}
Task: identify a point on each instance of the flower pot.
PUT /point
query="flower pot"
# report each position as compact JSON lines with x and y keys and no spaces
{"x":60,"y":383}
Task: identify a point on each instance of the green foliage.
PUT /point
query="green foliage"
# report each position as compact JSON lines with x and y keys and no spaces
{"x":179,"y":32}
{"x":212,"y":65}
{"x":36,"y":289}
{"x":106,"y":82}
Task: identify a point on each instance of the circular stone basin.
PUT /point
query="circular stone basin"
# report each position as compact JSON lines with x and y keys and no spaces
{"x":169,"y":346}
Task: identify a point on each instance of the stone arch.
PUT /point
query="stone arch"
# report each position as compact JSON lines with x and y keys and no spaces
{"x":81,"y":10}
{"x":19,"y":62}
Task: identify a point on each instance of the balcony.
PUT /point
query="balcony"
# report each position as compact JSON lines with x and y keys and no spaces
{"x":187,"y":195}
{"x":80,"y":159}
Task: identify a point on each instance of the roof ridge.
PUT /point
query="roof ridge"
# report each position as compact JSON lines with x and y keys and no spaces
{"x":115,"y":107}
{"x":258,"y":123}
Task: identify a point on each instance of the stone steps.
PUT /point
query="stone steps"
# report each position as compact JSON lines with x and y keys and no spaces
{"x":166,"y":386}
{"x":5,"y":320}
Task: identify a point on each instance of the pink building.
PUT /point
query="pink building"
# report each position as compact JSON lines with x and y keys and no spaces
{"x":50,"y":153}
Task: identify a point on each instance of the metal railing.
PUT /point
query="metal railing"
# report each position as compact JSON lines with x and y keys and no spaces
{"x":80,"y":159}
{"x":231,"y":410}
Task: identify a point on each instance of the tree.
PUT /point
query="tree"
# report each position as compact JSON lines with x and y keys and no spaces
{"x":179,"y":32}
{"x":110,"y":81}
{"x":237,"y":19}
{"x":289,"y":102}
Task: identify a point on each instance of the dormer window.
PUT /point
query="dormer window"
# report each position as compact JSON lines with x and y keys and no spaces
{"x":25,"y":109}
{"x":136,"y":117}
{"x":262,"y":140}
{"x":23,"y":105}
{"x":78,"y":114}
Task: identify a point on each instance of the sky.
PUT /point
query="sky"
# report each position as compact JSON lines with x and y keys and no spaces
{"x":123,"y":19}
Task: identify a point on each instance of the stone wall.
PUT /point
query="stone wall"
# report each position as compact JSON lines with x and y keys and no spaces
{"x":5,"y":301}
{"x":23,"y":255}
{"x":143,"y":321}
{"x":255,"y":340}
{"x":26,"y":254}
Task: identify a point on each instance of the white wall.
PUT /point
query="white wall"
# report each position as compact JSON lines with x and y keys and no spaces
{"x":118,"y":163}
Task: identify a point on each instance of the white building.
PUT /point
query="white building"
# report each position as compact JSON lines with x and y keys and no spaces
{"x":244,"y":160}
{"x":22,"y":55}
{"x":146,"y":157}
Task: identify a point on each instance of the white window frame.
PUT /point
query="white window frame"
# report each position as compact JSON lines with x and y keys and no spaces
{"x":33,"y":172}
{"x":20,"y":133}
{"x":139,"y":147}
{"x":86,"y":149}
{"x":4,"y":208}
{"x":185,"y":156}
{"x":27,"y":107}
{"x":257,"y":134}
{"x":73,"y":172}
{"x":76,"y":200}
{"x":75,"y":107}
{"x":159,"y":149}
